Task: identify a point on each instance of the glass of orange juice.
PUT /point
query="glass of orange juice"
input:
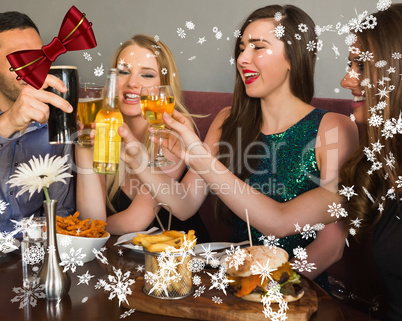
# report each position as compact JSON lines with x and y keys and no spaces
{"x":155,"y":101}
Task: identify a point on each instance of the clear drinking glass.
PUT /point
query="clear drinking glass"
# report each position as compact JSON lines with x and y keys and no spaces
{"x":154,"y":102}
{"x":89,"y":103}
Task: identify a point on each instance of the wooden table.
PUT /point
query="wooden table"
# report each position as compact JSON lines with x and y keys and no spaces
{"x":84,"y":302}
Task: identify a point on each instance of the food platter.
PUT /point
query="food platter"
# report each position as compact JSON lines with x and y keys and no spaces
{"x":125,"y":239}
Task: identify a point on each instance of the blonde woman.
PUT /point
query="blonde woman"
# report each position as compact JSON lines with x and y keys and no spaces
{"x":141,"y":62}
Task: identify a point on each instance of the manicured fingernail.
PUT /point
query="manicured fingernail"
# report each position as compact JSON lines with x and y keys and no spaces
{"x":166,"y":115}
{"x":70,"y":108}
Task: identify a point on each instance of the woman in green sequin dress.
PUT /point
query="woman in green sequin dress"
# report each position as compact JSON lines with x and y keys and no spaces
{"x":270,"y":152}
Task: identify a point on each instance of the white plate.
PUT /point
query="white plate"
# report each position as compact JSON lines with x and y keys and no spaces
{"x":11,"y":249}
{"x":131,"y":246}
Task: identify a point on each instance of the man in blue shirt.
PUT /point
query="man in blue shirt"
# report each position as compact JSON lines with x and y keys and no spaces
{"x":23,"y":129}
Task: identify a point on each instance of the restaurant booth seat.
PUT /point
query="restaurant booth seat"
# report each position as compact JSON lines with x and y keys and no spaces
{"x":355,"y":270}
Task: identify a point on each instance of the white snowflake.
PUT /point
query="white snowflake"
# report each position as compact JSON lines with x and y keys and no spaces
{"x":370,"y":22}
{"x":350,"y":39}
{"x":365,"y":82}
{"x":336,"y":50}
{"x":311,"y":45}
{"x":237,"y":33}
{"x":65,"y":241}
{"x":71,"y":260}
{"x":85,"y":299}
{"x":303,"y":265}
{"x":391,"y":70}
{"x":219,"y":280}
{"x":29,"y":296}
{"x":7,"y":241}
{"x":383,"y":93}
{"x":218,"y":35}
{"x":181,"y":33}
{"x":311,"y":231}
{"x":376,"y":120}
{"x":380,"y":63}
{"x":300,"y":253}
{"x":263,"y":271}
{"x":87,"y":56}
{"x":120,"y":252}
{"x":201,"y":40}
{"x":356,"y":222}
{"x":190,"y":25}
{"x":85,"y":278}
{"x":100,"y":256}
{"x":383,"y":5}
{"x":217,"y":300}
{"x":303,"y":27}
{"x":195,"y":265}
{"x":279,"y":31}
{"x":353,"y":74}
{"x":278,"y":16}
{"x":397,"y":55}
{"x":352,"y":231}
{"x":337,"y":210}
{"x":235,"y":257}
{"x":297,"y":36}
{"x":118,"y":286}
{"x":3,"y":206}
{"x":164,"y":71}
{"x":270,"y":241}
{"x":348,"y":192}
{"x":196,"y":280}
{"x":140,"y":268}
{"x":98,"y":71}
{"x":366,"y":56}
{"x":207,"y":253}
{"x":319,"y":45}
{"x":127,"y":313}
{"x":199,"y":291}
{"x":399,"y":182}
{"x":377,"y":146}
{"x":390,"y":160}
{"x":33,"y":255}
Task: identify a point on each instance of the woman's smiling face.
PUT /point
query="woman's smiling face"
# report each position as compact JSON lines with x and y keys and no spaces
{"x":262,"y":62}
{"x":137,"y":68}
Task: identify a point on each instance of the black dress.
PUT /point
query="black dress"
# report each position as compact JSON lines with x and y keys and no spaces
{"x":121,"y":202}
{"x":387,"y":253}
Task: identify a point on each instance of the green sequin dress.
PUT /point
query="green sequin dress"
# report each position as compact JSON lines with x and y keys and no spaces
{"x":287,"y":168}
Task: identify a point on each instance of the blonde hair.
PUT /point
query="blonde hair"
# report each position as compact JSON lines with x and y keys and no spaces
{"x":165,"y":61}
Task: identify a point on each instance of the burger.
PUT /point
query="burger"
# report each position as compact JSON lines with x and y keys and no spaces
{"x":249,"y":286}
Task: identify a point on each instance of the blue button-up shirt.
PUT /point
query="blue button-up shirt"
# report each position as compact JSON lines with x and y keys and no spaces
{"x":18,"y":149}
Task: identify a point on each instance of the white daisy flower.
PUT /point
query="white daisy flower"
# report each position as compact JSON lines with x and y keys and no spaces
{"x":40,"y":174}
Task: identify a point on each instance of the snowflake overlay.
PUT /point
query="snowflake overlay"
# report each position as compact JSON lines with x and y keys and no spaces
{"x":118,"y":286}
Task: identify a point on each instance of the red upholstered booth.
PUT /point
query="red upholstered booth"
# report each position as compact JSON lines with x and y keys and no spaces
{"x":355,"y":269}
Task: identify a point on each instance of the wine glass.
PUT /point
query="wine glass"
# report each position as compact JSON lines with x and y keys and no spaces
{"x":155,"y":101}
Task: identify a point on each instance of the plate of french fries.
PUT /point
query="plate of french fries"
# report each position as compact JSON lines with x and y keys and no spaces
{"x":158,"y":242}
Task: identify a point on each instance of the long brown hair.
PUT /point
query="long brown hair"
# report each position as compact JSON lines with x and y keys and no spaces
{"x":242,"y":127}
{"x":384,"y":42}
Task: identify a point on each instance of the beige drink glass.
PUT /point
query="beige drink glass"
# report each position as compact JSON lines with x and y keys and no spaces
{"x":89,"y":103}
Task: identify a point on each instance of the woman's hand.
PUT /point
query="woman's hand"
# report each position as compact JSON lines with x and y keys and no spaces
{"x":133,"y":153}
{"x":181,"y":140}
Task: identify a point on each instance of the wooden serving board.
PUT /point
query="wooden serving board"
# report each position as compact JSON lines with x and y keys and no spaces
{"x":231,"y":308}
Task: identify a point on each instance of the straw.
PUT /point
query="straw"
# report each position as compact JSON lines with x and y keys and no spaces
{"x":248,"y":228}
{"x":157,"y":217}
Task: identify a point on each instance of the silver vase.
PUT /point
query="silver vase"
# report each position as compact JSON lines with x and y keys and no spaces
{"x":57,"y":284}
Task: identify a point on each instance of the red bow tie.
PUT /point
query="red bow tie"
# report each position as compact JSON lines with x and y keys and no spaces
{"x":75,"y":33}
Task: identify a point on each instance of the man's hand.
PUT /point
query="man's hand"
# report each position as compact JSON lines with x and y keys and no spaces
{"x":31,"y":105}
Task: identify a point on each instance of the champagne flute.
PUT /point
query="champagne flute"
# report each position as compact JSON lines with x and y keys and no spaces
{"x":154,"y":102}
